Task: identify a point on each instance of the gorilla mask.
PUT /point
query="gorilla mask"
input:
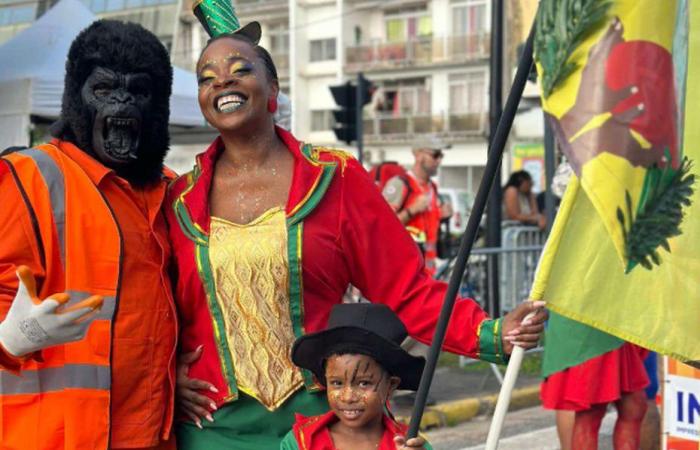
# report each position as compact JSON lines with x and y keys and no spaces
{"x":116,"y":99}
{"x":119,"y":103}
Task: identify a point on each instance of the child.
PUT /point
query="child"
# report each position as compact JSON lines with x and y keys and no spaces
{"x":359,"y":359}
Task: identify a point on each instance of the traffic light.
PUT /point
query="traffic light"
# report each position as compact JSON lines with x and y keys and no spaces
{"x":347,"y":96}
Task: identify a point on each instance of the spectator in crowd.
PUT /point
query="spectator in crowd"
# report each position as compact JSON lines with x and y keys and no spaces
{"x":414,"y":198}
{"x":519,"y":201}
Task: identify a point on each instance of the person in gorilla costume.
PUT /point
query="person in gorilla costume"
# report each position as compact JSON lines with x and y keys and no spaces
{"x":111,"y":60}
{"x":87,"y":319}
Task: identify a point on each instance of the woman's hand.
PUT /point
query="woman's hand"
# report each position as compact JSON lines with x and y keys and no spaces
{"x":189,"y":402}
{"x":521,"y":331}
{"x":402,"y":443}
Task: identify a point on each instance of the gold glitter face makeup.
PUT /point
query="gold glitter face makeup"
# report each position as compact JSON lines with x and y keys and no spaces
{"x":232,"y":94}
{"x":205,"y":77}
{"x":357,"y":389}
{"x":240,"y":67}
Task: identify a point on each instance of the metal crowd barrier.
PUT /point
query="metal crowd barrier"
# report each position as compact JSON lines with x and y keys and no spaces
{"x":522,"y":246}
{"x":517,"y":270}
{"x":518,"y":258}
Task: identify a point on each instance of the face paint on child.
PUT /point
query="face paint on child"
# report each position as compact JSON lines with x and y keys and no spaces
{"x":357,"y":389}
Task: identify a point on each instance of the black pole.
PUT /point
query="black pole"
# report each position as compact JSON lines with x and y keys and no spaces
{"x":549,"y":156}
{"x":359,"y":124}
{"x":493,"y":213}
{"x":488,"y":180}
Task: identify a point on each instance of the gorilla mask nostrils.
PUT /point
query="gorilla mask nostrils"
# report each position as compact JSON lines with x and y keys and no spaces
{"x":120,"y":104}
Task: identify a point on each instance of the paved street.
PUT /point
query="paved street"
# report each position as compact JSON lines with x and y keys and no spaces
{"x":531,"y":428}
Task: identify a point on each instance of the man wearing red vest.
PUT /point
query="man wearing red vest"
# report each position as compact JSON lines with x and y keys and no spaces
{"x":415,"y":199}
{"x":87,"y":320}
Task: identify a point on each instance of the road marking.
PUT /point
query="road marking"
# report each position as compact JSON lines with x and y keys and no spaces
{"x":545,"y":438}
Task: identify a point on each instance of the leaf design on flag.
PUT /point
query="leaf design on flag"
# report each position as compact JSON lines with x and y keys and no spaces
{"x":659,"y":216}
{"x":561,"y":27}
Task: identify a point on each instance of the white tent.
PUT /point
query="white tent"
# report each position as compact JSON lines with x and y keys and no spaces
{"x":32,"y":67}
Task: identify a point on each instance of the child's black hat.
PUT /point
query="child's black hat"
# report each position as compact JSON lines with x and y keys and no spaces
{"x":362,"y":328}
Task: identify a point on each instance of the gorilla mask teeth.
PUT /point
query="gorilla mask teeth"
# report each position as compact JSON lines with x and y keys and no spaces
{"x":121,"y":137}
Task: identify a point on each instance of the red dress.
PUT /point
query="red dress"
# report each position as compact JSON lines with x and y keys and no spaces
{"x":602,"y":379}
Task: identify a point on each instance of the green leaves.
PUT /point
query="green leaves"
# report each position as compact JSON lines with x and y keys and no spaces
{"x":659,"y":217}
{"x":561,"y":27}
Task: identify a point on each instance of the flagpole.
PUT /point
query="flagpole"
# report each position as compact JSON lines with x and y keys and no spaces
{"x":499,"y":414}
{"x":490,"y":173}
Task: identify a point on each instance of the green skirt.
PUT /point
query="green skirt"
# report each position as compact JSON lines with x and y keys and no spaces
{"x":246,"y":425}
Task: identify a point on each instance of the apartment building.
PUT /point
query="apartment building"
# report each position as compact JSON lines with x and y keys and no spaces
{"x":428,"y":58}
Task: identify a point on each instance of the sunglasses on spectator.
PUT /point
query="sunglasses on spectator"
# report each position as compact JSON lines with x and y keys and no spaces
{"x":435,"y":154}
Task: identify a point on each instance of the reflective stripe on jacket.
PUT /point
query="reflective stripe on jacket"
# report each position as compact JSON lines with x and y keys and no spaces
{"x":62,"y":400}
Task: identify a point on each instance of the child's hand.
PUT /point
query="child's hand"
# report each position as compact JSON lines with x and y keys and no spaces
{"x":402,"y":443}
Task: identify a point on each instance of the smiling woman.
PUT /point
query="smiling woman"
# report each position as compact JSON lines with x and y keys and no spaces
{"x":267,"y":234}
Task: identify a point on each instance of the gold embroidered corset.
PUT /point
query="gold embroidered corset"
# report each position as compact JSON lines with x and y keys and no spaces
{"x":250,"y":267}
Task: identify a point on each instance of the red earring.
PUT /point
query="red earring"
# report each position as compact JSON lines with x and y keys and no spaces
{"x":272,"y":105}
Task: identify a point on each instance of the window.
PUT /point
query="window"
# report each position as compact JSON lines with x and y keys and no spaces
{"x":406,"y":97}
{"x":406,"y":29}
{"x":468,"y":92}
{"x":322,"y":50}
{"x":470,"y":17}
{"x":99,"y":6}
{"x":17,"y":14}
{"x":408,"y":23}
{"x":279,"y":39}
{"x":322,"y":120}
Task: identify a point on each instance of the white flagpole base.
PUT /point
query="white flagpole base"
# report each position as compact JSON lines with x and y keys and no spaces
{"x":499,"y":415}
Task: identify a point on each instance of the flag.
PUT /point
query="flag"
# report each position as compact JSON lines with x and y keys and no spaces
{"x":623,"y":256}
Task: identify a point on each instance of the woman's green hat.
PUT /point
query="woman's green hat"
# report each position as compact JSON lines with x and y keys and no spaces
{"x":218,"y":17}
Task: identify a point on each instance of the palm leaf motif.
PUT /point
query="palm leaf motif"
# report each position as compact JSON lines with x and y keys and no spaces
{"x":561,"y":27}
{"x":659,"y":216}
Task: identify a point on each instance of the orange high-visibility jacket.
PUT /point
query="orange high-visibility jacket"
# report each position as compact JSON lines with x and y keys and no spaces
{"x":427,"y":222}
{"x":61,"y":399}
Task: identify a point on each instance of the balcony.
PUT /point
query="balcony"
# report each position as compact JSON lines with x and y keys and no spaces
{"x":405,"y":128}
{"x":419,"y":52}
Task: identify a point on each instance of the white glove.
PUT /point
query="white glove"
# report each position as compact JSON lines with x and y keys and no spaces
{"x":32,"y":324}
